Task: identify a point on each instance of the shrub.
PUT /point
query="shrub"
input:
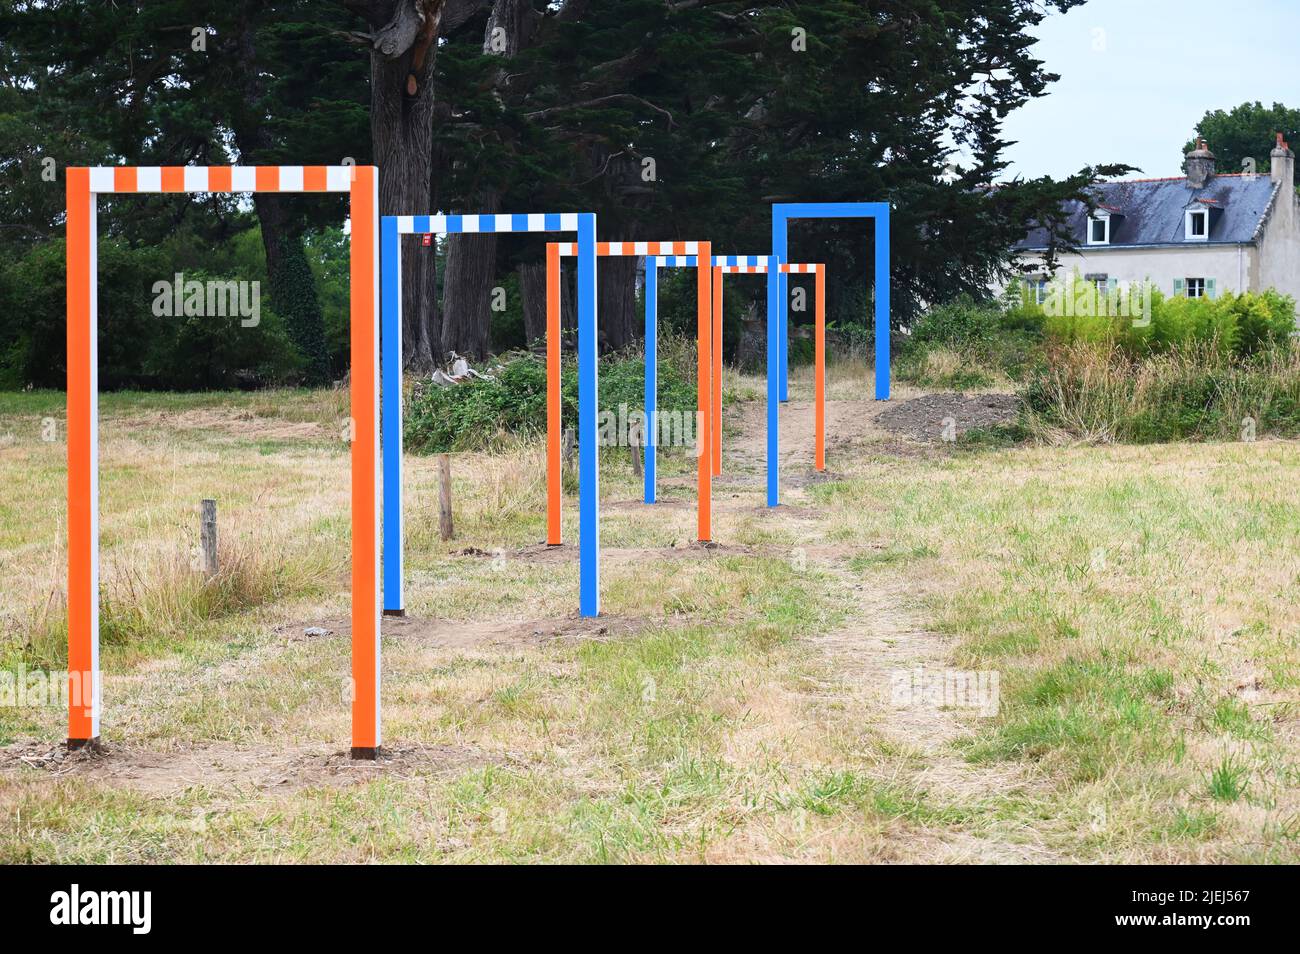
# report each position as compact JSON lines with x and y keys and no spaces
{"x":478,"y":413}
{"x":967,"y":343}
{"x":1230,"y":324}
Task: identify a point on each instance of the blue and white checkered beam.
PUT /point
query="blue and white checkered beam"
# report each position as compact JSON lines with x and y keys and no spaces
{"x":777,"y":384}
{"x":763,"y":260}
{"x":392,"y":227}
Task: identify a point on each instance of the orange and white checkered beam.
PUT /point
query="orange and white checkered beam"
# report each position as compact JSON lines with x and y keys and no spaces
{"x":105,"y":179}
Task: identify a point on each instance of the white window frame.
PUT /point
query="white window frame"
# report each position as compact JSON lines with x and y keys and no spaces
{"x":1100,"y":219}
{"x":1188,"y":217}
{"x":1200,"y":286}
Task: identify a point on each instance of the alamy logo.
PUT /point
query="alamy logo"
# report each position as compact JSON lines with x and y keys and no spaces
{"x":212,"y":299}
{"x":103,"y":907}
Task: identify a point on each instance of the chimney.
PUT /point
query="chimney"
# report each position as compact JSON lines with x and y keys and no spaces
{"x":1281,"y":164}
{"x":1199,"y":164}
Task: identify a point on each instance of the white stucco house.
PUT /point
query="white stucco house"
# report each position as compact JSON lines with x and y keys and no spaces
{"x":1194,"y":235}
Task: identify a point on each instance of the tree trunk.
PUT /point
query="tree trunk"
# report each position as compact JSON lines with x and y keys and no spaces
{"x":472,"y":258}
{"x":401,"y":129}
{"x":616,"y":297}
{"x":532,"y":288}
{"x":569,"y":305}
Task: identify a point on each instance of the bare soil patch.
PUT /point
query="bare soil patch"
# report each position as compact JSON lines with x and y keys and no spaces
{"x":925,"y":418}
{"x":468,"y":634}
{"x":227,"y":767}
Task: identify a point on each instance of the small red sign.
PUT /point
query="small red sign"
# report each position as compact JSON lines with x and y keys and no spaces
{"x":428,"y":240}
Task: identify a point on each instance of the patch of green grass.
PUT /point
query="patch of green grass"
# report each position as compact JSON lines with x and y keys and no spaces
{"x":1190,"y":824}
{"x":1229,"y":780}
{"x":1084,"y":713}
{"x":1232,"y":716}
{"x":890,"y":555}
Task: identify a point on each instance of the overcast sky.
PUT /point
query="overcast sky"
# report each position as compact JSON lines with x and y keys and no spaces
{"x":1137,"y":75}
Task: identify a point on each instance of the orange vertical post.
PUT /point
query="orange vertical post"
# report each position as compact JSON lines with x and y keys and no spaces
{"x":553,"y":422}
{"x":83,"y":465}
{"x":717,"y":371}
{"x":704,"y":389}
{"x":364,"y":259}
{"x":819,"y":373}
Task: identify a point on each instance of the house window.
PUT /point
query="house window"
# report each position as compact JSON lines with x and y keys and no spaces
{"x":1098,"y":230}
{"x":1099,"y":280}
{"x":1195,"y":287}
{"x":1196,"y":227}
{"x":1038,"y":289}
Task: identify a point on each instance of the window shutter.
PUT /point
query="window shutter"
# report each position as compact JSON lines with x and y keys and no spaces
{"x":1209,"y":288}
{"x":1178,"y":287}
{"x":1112,"y":284}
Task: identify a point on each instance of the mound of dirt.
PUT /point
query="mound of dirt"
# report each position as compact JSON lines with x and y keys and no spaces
{"x":927,"y":417}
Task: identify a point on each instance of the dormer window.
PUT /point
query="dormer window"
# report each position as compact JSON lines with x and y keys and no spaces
{"x":1196,"y":225}
{"x":1099,"y":229}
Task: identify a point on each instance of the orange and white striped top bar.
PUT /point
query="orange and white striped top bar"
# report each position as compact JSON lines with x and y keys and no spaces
{"x":105,"y":179}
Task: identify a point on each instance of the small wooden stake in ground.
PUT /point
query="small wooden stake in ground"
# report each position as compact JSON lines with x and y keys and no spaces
{"x":208,"y":537}
{"x":634,"y":445}
{"x":566,"y":450}
{"x":444,"y":496}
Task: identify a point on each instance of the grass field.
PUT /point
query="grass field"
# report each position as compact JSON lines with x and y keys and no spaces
{"x":1134,"y":606}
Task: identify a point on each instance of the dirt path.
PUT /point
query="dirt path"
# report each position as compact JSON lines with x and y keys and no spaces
{"x":882,"y":655}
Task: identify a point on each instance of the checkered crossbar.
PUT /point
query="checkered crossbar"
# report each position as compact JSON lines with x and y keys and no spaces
{"x":727,"y":260}
{"x":676,"y":261}
{"x":613,"y":249}
{"x":792,"y":268}
{"x":503,"y":222}
{"x":221,"y":178}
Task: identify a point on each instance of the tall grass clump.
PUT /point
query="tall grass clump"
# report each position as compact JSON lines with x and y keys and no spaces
{"x":1199,"y":391}
{"x":1176,"y":368}
{"x":148,"y":595}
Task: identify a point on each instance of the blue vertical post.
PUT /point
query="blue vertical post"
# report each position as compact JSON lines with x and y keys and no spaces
{"x":588,"y":398}
{"x":391,"y":422}
{"x":773,"y":377}
{"x":651,"y":373}
{"x":783,"y":293}
{"x":882,"y":303}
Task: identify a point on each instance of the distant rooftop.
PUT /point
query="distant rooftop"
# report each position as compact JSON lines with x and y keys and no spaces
{"x":1150,"y":211}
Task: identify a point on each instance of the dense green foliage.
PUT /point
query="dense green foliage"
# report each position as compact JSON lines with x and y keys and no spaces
{"x":1248,"y":130}
{"x":476,"y":413}
{"x":733,"y":104}
{"x":968,"y":343}
{"x":1231,"y":323}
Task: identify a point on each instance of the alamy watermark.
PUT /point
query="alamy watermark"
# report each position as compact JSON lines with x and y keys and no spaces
{"x":21,"y":687}
{"x":211,"y":299}
{"x":1072,"y":296}
{"x":922,"y":688}
{"x":626,"y":427}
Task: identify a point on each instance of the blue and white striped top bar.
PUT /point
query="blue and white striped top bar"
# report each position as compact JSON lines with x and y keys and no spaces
{"x":489,"y":222}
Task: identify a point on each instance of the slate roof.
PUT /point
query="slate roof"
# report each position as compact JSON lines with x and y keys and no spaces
{"x":1152,"y":211}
